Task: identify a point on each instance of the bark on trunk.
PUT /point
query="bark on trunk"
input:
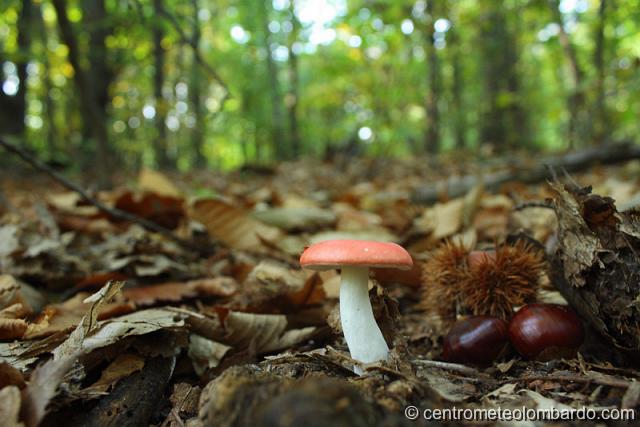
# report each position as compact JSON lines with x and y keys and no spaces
{"x":199,"y":160}
{"x":24,"y":47}
{"x":91,"y":112}
{"x":575,"y":101}
{"x":160,"y":146}
{"x":277,"y":117}
{"x":432,"y":132}
{"x":294,"y":91}
{"x":600,"y":120}
{"x":457,"y":89}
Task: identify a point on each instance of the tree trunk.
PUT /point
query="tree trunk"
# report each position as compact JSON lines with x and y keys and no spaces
{"x":278,"y":140}
{"x":432,"y":131}
{"x":294,"y":91}
{"x":503,"y":120}
{"x":199,"y":160}
{"x":600,"y":120}
{"x":519,"y":135}
{"x":460,"y":121}
{"x":160,"y":146}
{"x":24,"y":47}
{"x":91,"y":112}
{"x":575,"y":101}
{"x":49,"y":104}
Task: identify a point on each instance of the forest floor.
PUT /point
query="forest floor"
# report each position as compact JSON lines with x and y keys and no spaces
{"x":103,"y":322}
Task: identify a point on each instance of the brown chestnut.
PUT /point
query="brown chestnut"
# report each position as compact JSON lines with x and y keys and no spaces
{"x":546,"y":331}
{"x":476,"y":339}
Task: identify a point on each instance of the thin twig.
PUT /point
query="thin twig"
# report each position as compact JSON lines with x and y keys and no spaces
{"x":113,"y":212}
{"x":462,"y":369}
{"x":600,"y":381}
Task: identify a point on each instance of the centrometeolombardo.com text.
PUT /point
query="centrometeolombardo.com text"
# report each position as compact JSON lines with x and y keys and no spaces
{"x":519,"y":414}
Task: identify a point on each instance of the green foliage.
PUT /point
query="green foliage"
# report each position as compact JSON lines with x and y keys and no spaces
{"x":360,"y":64}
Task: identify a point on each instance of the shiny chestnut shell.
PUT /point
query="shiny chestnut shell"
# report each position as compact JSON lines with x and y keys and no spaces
{"x":546,"y":331}
{"x":476,"y":339}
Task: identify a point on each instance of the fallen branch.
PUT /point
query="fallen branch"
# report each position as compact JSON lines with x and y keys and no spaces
{"x":571,"y":162}
{"x":113,"y":212}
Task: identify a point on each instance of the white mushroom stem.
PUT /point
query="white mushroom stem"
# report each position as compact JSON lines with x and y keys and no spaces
{"x":360,"y":329}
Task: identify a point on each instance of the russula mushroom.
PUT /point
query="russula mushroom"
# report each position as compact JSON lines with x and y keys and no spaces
{"x":355,"y":257}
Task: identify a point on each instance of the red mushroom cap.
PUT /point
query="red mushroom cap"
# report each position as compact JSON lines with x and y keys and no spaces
{"x":336,"y":253}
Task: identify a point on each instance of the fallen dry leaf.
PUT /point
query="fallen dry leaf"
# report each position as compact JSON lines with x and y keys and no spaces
{"x":121,"y":367}
{"x":232,"y":225}
{"x":174,"y":292}
{"x":43,"y":385}
{"x":261,"y":333}
{"x":88,"y":324}
{"x":205,"y":353}
{"x":303,"y":218}
{"x":163,"y":210}
{"x":155,"y":182}
{"x":8,"y":289}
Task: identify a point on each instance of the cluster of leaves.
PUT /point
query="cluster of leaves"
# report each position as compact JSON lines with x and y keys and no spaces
{"x":194,"y":337}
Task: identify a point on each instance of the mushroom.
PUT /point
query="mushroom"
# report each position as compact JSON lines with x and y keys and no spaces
{"x":354,"y":257}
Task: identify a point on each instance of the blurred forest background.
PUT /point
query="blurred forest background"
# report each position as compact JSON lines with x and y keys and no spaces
{"x":186,"y":84}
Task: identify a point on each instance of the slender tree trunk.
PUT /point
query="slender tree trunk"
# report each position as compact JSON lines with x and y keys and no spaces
{"x":49,"y":104}
{"x":503,"y":121}
{"x":91,"y":112}
{"x":278,"y":140}
{"x":432,"y":132}
{"x":24,"y":47}
{"x":96,"y":21}
{"x":519,"y":135}
{"x":575,"y":101}
{"x":294,"y":91}
{"x":457,"y":89}
{"x":199,"y":160}
{"x":160,"y":146}
{"x":600,"y":120}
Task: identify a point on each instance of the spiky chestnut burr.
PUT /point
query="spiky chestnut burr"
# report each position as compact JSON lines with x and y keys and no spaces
{"x":501,"y":281}
{"x":486,"y":283}
{"x":443,"y":274}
